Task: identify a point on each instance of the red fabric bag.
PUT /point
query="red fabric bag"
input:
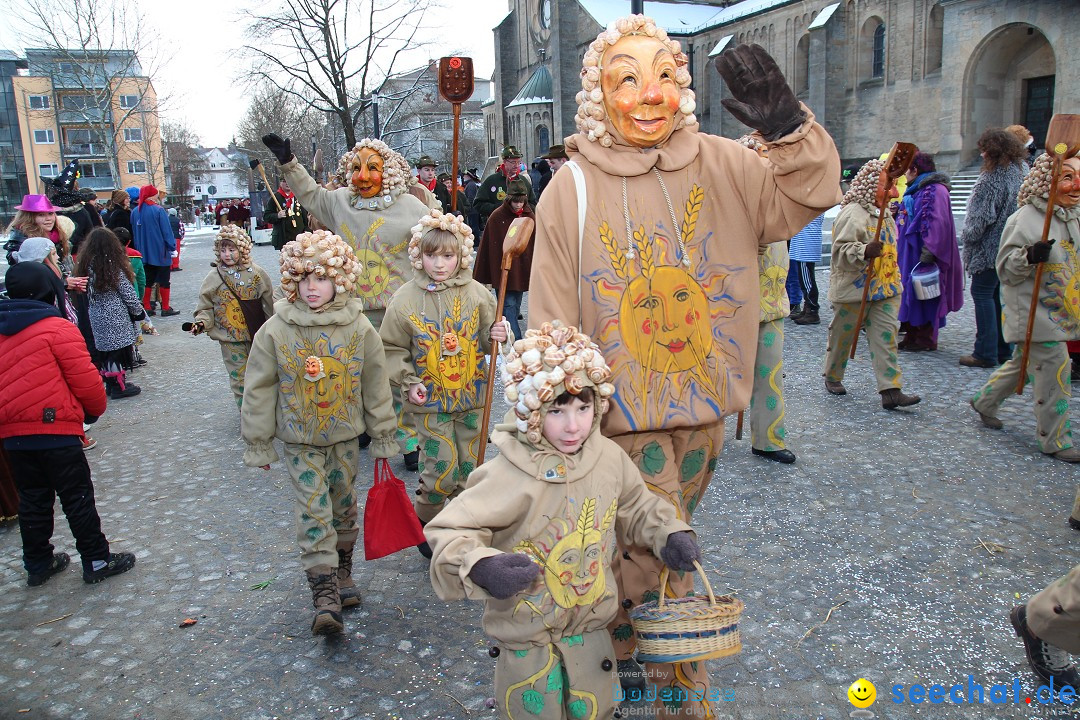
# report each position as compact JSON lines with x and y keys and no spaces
{"x":390,"y":523}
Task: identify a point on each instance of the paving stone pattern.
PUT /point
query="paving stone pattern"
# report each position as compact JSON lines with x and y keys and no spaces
{"x":882,"y":518}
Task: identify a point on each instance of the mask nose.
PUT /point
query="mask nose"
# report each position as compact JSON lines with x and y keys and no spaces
{"x":651,"y":94}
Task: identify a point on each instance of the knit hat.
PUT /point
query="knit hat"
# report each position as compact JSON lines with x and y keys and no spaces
{"x":239,"y":238}
{"x":436,"y":220}
{"x":30,"y":281}
{"x":147,"y":193}
{"x":34,"y":249}
{"x":133,"y":193}
{"x":172,"y":211}
{"x":117,"y":197}
{"x":546,"y":363}
{"x":320,"y":252}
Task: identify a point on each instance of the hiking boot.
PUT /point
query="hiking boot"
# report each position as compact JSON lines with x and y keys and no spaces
{"x":116,"y":563}
{"x":895,"y":398}
{"x":1069,"y":455}
{"x":347,"y":590}
{"x":412,"y":460}
{"x":835,"y":387}
{"x":631,"y":674}
{"x":323,"y":581}
{"x":796,"y":311}
{"x":972,"y":361}
{"x":1049,"y":662}
{"x":129,"y":390}
{"x":59,"y":562}
{"x":781,"y":456}
{"x":809,"y":317}
{"x":988,"y":420}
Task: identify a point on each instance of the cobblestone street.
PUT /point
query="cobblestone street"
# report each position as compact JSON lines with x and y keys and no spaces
{"x":917,"y":529}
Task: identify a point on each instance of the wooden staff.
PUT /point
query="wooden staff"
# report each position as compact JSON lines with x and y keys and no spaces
{"x":256,"y":165}
{"x":738,"y":426}
{"x":455,"y":86}
{"x":896,"y":164}
{"x":517,"y":240}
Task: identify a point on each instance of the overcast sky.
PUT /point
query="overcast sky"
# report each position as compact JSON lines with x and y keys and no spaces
{"x":203,"y":36}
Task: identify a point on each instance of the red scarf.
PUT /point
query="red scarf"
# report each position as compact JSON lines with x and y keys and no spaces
{"x":506,"y":174}
{"x":429,"y":185}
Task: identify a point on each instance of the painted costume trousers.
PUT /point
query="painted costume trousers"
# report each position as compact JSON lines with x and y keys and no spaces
{"x":881,"y":325}
{"x":324,"y":486}
{"x":1049,"y":371}
{"x":1054,"y":613}
{"x":405,"y":434}
{"x":449,"y":443}
{"x":235,"y":357}
{"x":767,"y":399}
{"x":563,"y":680}
{"x":677,"y":465}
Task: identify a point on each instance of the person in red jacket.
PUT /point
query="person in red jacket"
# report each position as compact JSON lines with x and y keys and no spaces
{"x":48,"y":387}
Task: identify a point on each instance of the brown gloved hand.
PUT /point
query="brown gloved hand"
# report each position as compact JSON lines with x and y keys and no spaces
{"x":873,"y":250}
{"x":926,"y":257}
{"x":281,"y":147}
{"x":1039,"y":252}
{"x":762,"y":98}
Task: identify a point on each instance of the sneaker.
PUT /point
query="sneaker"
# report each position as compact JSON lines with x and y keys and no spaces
{"x":1049,"y":662}
{"x":169,"y":312}
{"x":972,"y":361}
{"x":116,"y":564}
{"x":59,"y":562}
{"x":88,"y":443}
{"x":631,"y":674}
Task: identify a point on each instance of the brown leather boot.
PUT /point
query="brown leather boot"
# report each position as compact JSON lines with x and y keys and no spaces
{"x":895,"y":398}
{"x":324,"y":594}
{"x":347,"y":590}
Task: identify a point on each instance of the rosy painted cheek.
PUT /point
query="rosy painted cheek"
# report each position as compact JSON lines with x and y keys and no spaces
{"x":647,"y":327}
{"x":691,"y":317}
{"x":566,"y":577}
{"x":594,"y":569}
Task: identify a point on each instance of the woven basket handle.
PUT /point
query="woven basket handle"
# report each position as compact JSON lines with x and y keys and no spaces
{"x":665,"y":576}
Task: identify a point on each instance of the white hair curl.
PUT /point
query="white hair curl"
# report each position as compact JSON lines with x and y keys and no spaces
{"x":320,"y":252}
{"x":592,"y":119}
{"x":454,"y":224}
{"x":396,"y":173}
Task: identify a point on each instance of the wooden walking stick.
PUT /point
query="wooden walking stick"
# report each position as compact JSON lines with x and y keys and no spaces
{"x":896,"y":165}
{"x":738,"y":426}
{"x":455,"y":86}
{"x":1062,"y":141}
{"x":255,"y":164}
{"x":517,"y":240}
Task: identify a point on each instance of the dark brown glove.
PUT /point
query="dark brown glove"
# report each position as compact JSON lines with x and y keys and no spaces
{"x":873,"y":249}
{"x":762,"y":98}
{"x":1039,"y":252}
{"x":926,"y":257}
{"x":281,"y":147}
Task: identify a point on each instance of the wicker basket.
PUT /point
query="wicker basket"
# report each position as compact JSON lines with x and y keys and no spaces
{"x":687,"y":629}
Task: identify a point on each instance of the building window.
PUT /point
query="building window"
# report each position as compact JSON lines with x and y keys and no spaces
{"x":543,"y":139}
{"x":935,"y":36}
{"x":127,"y":102}
{"x":67,"y":68}
{"x":878,"y":65}
{"x":136,"y":167}
{"x":39,"y":102}
{"x":48,"y":170}
{"x":44,"y":137}
{"x":198,"y":189}
{"x":133,"y":135}
{"x":872,"y":50}
{"x":802,"y":65}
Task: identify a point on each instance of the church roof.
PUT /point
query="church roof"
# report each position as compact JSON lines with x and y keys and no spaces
{"x":680,"y":17}
{"x":537,"y":89}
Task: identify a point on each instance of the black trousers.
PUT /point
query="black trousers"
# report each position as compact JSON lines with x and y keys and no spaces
{"x":808,"y":281}
{"x":159,"y":274}
{"x":41,"y":475}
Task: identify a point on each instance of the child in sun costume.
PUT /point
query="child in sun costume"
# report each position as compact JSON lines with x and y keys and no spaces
{"x":437,"y":334}
{"x":235,"y":300}
{"x":534,"y":534}
{"x":853,"y":249}
{"x":316,"y":379}
{"x":1057,"y":318}
{"x":651,"y":243}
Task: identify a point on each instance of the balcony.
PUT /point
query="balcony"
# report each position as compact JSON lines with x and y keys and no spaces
{"x":97,"y":183}
{"x":85,"y":150}
{"x":82,"y":117}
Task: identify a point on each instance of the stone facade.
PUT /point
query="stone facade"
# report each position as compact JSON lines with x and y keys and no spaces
{"x":933,"y":72}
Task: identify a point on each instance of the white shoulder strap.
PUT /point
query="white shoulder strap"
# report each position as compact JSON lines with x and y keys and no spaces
{"x":582,"y":206}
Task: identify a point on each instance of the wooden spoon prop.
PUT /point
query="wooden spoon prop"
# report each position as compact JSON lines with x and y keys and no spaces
{"x":1062,"y":141}
{"x":896,"y":165}
{"x":455,"y":86}
{"x":516,"y":242}
{"x":256,"y":165}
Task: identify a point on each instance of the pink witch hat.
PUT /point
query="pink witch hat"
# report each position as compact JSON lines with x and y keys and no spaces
{"x":37,"y":204}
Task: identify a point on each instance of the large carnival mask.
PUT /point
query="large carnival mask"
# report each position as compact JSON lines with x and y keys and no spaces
{"x":367,"y":175}
{"x":1068,"y":191}
{"x":641,"y":95}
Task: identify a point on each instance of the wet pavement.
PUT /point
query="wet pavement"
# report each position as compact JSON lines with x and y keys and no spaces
{"x":892,"y":550}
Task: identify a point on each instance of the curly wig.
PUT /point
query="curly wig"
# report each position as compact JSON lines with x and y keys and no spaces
{"x":320,"y":252}
{"x":592,"y":119}
{"x":396,"y":173}
{"x":454,"y":224}
{"x":546,"y":363}
{"x":1037,"y":182}
{"x":239,"y":238}
{"x":1000,"y":148}
{"x":863,"y":187}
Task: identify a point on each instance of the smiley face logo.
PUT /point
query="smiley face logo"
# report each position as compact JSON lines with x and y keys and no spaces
{"x":862,"y":693}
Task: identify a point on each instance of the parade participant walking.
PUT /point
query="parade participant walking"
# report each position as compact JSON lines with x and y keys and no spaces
{"x":437,"y":334}
{"x":1048,"y":627}
{"x":235,"y":300}
{"x":534,"y":534}
{"x":805,"y":253}
{"x":154,"y":239}
{"x":316,"y":379}
{"x":492,"y":190}
{"x":489,"y":257}
{"x":289,"y":221}
{"x":767,"y":432}
{"x":113,"y":307}
{"x":48,"y":388}
{"x":927,"y":237}
{"x":992,"y":201}
{"x":1057,"y":317}
{"x":374,"y":212}
{"x":854,"y":249}
{"x":651,"y":241}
